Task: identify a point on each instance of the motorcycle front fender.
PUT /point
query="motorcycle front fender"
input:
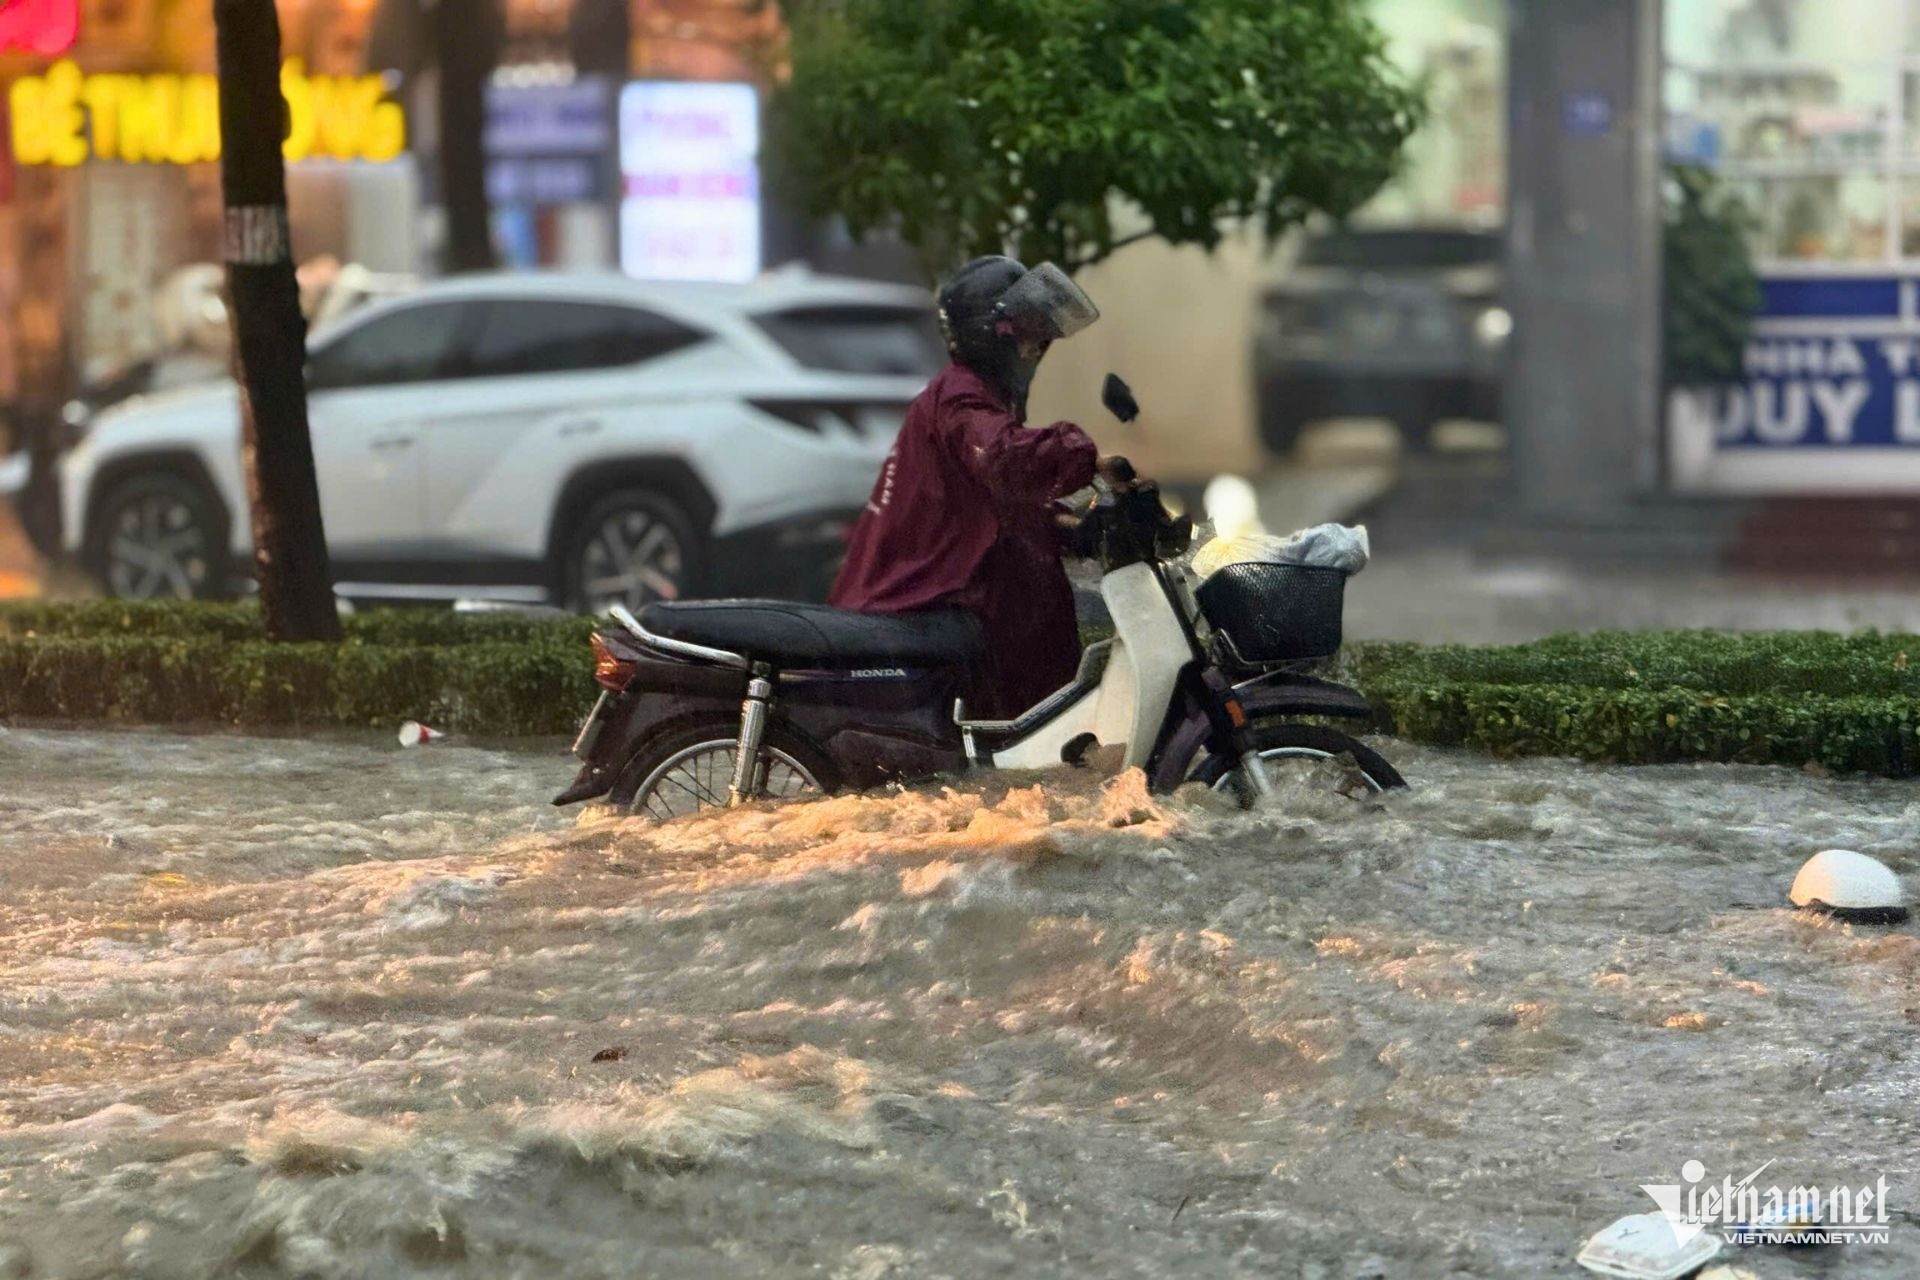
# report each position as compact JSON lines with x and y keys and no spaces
{"x":1276,"y":694}
{"x":592,"y":782}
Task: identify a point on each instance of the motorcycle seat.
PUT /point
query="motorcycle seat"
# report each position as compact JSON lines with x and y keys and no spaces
{"x":792,"y":635}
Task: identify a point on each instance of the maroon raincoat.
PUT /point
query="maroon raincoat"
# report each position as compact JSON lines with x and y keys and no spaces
{"x":960,"y":519}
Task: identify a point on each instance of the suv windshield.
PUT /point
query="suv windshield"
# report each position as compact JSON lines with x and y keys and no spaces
{"x":859,"y":339}
{"x":1403,"y":250}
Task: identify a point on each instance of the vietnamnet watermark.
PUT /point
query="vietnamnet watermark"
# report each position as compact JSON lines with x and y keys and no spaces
{"x":1744,"y":1212}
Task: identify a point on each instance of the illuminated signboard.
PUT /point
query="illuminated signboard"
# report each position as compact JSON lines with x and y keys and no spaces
{"x":550,"y":144}
{"x":690,"y":207}
{"x":67,"y":117}
{"x":45,"y":27}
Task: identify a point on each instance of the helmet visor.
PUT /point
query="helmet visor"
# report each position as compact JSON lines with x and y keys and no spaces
{"x":1045,"y":305}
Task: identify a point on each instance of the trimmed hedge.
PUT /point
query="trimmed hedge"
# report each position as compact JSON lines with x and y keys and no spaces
{"x":1709,"y":661}
{"x":1849,"y":703}
{"x":1859,"y":733}
{"x":483,"y":686}
{"x":183,"y":663}
{"x":242,"y":621}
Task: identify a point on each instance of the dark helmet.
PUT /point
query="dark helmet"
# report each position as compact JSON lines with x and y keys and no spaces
{"x":991,"y":305}
{"x":968,"y":303}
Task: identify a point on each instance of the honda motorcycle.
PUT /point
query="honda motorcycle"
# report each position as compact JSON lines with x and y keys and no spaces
{"x":715,"y":703}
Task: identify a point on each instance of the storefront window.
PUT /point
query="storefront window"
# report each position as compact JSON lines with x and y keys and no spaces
{"x":1809,"y":112}
{"x":1455,"y":165}
{"x":1810,"y":109}
{"x":1838,"y":217}
{"x":1830,"y":31}
{"x":1910,"y":217}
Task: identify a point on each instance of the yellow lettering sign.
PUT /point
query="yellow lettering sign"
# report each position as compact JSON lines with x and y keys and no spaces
{"x":298,"y":91}
{"x":342,"y":112}
{"x":48,"y":123}
{"x":198,"y":137}
{"x":27,"y":111}
{"x":66,"y":117}
{"x":386,"y":133}
{"x":101,"y":94}
{"x":149,"y":114}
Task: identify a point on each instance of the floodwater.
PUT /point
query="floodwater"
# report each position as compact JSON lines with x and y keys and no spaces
{"x":333,"y":1009}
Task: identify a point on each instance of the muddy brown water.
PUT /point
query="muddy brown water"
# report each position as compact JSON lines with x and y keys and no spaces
{"x":330,"y":1008}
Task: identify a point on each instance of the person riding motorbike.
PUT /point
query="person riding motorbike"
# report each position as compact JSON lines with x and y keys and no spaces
{"x":962,"y":515}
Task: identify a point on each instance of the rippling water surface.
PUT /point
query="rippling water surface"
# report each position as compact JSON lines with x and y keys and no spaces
{"x":279,"y":1008}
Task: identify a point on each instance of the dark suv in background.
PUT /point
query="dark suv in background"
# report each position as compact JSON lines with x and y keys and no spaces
{"x":1403,"y":323}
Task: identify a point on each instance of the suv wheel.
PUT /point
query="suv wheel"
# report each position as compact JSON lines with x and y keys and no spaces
{"x":156,"y":537}
{"x":633,"y":547}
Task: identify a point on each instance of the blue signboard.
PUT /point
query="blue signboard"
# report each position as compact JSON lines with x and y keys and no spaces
{"x":1587,"y":114}
{"x":550,"y":144}
{"x":1846,"y":374}
{"x":1830,"y":400}
{"x":546,"y":180}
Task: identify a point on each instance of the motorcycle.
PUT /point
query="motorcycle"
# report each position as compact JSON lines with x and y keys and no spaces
{"x":715,"y":703}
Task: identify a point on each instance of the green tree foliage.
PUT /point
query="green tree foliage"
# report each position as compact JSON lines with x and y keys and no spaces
{"x":1711,"y":290}
{"x":983,"y":126}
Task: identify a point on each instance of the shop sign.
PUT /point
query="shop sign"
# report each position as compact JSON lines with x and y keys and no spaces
{"x":690,"y":206}
{"x":1830,"y":401}
{"x":572,"y":119}
{"x":66,"y":117}
{"x":43,"y":27}
{"x":550,"y":144}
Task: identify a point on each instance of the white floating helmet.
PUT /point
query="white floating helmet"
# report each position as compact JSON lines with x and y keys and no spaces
{"x":1849,"y":886}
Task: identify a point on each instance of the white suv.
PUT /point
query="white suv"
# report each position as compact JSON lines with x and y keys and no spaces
{"x":582,"y":440}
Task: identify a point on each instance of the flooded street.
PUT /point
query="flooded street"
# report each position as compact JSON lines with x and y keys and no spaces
{"x":332,"y":1009}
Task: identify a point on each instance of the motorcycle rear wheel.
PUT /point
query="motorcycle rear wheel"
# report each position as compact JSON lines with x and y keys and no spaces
{"x":1317,"y":748}
{"x":690,"y":769}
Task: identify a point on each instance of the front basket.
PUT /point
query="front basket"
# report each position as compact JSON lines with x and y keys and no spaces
{"x":1274,"y":613}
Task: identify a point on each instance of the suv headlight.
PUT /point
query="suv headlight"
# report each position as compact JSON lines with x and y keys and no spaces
{"x":1492,"y":327}
{"x":76,"y":416}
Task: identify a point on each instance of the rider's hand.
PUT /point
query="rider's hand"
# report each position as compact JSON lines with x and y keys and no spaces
{"x":1115,"y":470}
{"x":1078,"y":536}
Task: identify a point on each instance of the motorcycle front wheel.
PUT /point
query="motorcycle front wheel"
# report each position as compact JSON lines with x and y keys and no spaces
{"x":1304,"y":753}
{"x":688,"y":769}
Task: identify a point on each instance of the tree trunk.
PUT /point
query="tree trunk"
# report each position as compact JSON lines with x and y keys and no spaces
{"x":466,"y":41}
{"x":269,"y":333}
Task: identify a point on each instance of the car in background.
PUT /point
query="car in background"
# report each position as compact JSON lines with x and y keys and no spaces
{"x":1403,"y":323}
{"x":581,"y":440}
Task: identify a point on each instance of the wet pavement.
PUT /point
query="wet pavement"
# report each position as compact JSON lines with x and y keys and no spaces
{"x":1450,"y":595}
{"x":1435,"y":579}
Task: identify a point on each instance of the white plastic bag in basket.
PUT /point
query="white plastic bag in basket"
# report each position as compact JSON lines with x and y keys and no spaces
{"x":1326,"y":546}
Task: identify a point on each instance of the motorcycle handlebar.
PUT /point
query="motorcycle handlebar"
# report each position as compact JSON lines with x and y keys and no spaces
{"x":1129,"y":523}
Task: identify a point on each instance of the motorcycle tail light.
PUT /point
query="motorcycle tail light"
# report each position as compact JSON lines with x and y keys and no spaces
{"x":610,"y":670}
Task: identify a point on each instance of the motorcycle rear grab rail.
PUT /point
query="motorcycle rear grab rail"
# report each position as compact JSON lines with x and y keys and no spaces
{"x":679,"y":648}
